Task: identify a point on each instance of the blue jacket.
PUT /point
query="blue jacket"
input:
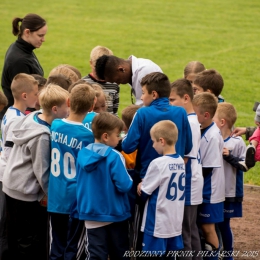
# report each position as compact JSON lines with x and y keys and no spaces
{"x":102,"y":184}
{"x":138,"y":136}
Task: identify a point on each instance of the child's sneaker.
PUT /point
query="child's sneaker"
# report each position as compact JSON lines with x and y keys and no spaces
{"x":249,"y":160}
{"x":250,"y":156}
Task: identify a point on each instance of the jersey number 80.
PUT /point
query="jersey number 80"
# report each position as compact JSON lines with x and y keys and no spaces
{"x":67,"y":163}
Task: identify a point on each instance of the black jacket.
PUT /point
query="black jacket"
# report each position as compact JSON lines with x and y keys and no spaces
{"x":19,"y":58}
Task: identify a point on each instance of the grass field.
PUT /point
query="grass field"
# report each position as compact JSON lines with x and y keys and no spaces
{"x":224,"y":35}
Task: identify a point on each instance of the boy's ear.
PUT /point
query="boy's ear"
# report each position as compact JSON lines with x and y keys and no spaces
{"x":104,"y":137}
{"x":54,"y":109}
{"x":186,"y":97}
{"x":155,"y":95}
{"x":121,"y":68}
{"x":24,"y":95}
{"x":207,"y":115}
{"x":68,"y":102}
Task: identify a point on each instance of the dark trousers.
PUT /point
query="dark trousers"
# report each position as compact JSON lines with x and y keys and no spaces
{"x":109,"y":240}
{"x":67,"y":237}
{"x":27,"y":224}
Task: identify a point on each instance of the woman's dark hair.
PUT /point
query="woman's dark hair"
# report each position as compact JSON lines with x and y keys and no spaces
{"x":33,"y":22}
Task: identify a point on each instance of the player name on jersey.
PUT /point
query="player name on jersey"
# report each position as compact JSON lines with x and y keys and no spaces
{"x":63,"y":139}
{"x":176,"y":166}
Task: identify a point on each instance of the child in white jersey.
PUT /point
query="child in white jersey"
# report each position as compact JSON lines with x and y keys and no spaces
{"x":163,"y":190}
{"x":182,"y":95}
{"x":233,"y":153}
{"x":211,"y":210}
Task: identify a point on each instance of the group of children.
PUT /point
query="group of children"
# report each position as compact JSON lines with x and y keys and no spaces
{"x":166,"y":178}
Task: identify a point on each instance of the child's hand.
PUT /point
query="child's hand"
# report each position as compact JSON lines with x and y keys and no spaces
{"x":139,"y":188}
{"x":225,"y":151}
{"x":238,"y":131}
{"x":43,"y":201}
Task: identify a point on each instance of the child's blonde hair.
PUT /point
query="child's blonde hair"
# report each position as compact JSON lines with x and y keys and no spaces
{"x":22,"y":83}
{"x":106,"y":123}
{"x":206,"y":102}
{"x":82,"y":98}
{"x":228,"y":112}
{"x":165,"y":129}
{"x":193,"y":67}
{"x":97,"y":52}
{"x":52,"y":95}
{"x":128,"y":114}
{"x":66,"y":71}
{"x":3,"y":99}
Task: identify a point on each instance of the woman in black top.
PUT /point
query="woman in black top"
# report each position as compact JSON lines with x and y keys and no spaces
{"x":20,"y":57}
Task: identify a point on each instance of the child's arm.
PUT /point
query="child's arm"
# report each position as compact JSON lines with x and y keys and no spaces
{"x":40,"y":152}
{"x":151,"y":181}
{"x":119,"y":174}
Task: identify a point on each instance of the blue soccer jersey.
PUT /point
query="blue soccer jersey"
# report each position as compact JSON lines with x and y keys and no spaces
{"x":87,"y":121}
{"x":67,"y":139}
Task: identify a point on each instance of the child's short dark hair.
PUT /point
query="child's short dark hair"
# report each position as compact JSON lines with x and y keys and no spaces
{"x":210,"y":80}
{"x":182,"y":87}
{"x":157,"y":81}
{"x":41,"y":80}
{"x":105,"y":123}
{"x":82,"y":98}
{"x":206,"y":102}
{"x":60,"y":80}
{"x":128,"y":114}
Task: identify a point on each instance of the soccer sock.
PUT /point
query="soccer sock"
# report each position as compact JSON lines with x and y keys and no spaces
{"x":211,"y":252}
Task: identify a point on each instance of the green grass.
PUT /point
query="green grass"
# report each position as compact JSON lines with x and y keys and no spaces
{"x":224,"y":35}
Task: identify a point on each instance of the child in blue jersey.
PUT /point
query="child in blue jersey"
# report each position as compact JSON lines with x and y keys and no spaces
{"x":156,"y":89}
{"x":25,"y":92}
{"x":233,"y":153}
{"x":102,"y":186}
{"x":182,"y":95}
{"x":209,"y":81}
{"x":163,"y":190}
{"x":68,"y":137}
{"x":26,"y":176}
{"x":210,"y":211}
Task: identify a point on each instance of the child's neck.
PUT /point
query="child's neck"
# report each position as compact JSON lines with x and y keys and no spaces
{"x":20,"y":106}
{"x":169,"y":150}
{"x":46,"y":118}
{"x":225,"y":132}
{"x":189,"y":108}
{"x":76,"y":117}
{"x":206,"y":123}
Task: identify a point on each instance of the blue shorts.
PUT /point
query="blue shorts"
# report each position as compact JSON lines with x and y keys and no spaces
{"x":232,"y":209}
{"x":211,"y":213}
{"x":157,"y":244}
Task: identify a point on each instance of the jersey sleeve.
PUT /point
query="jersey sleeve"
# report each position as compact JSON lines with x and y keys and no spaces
{"x":210,"y":154}
{"x":195,"y":133}
{"x":152,"y":179}
{"x":188,"y":137}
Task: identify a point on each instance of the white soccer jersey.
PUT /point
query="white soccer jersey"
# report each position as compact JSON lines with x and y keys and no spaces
{"x":164,"y":183}
{"x":8,"y":122}
{"x":233,"y":176}
{"x":211,"y":149}
{"x":194,"y":178}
